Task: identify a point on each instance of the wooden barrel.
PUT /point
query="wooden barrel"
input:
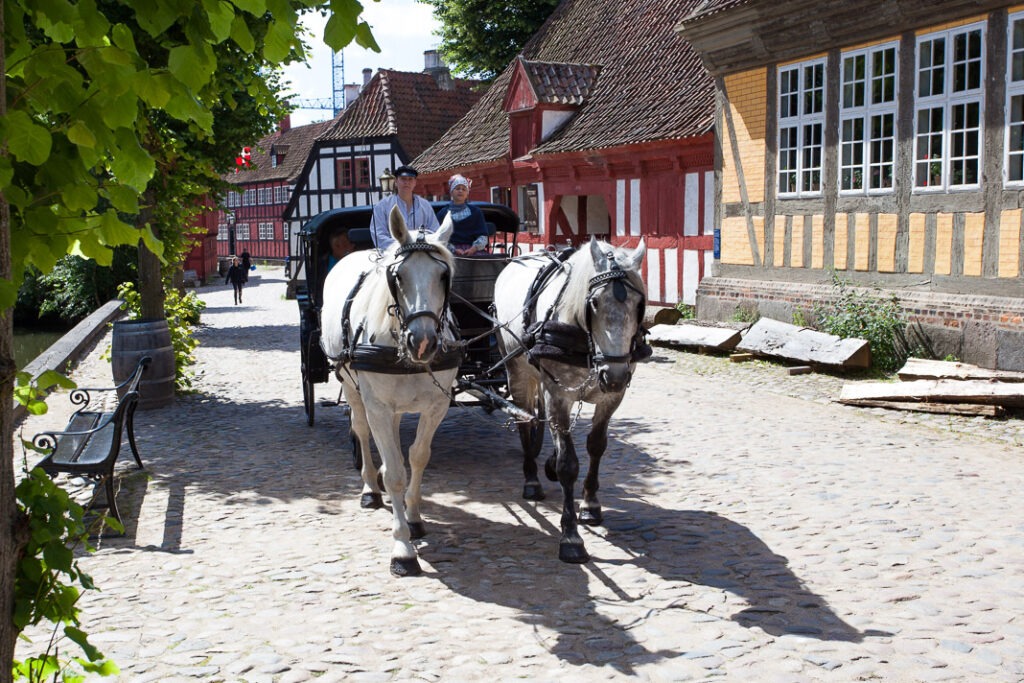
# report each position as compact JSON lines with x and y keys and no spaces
{"x":133,"y":339}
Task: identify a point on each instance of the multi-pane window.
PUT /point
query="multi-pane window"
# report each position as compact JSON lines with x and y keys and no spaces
{"x":363,"y":181}
{"x":266,"y":196}
{"x":222,"y":232}
{"x":242,"y":231}
{"x":1015,"y":100}
{"x":234,"y":199}
{"x":249,"y":198}
{"x":801,"y":126}
{"x":867,"y":113}
{"x":266,"y":231}
{"x":948,"y":112}
{"x":344,"y":174}
{"x":281,"y":194}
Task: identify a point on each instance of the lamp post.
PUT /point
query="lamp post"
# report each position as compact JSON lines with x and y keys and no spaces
{"x":387,"y":182}
{"x":230,"y":217}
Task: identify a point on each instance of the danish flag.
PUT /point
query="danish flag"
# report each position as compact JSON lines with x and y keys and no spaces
{"x":243,"y":159}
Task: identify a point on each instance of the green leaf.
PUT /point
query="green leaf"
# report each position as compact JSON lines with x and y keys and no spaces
{"x":132,"y":165}
{"x":123,"y":38}
{"x":279,"y":40}
{"x":6,"y":172}
{"x":51,"y":378}
{"x":364,"y":37}
{"x":81,"y":135}
{"x":152,"y":89}
{"x":79,"y":637}
{"x":27,"y":140}
{"x":121,"y":110}
{"x":254,"y":7}
{"x":241,"y":35}
{"x":124,"y":199}
{"x":79,"y":197}
{"x":340,"y":30}
{"x":192,"y":65}
{"x":221,"y":15}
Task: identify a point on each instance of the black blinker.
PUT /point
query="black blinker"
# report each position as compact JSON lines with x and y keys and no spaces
{"x":619,"y":290}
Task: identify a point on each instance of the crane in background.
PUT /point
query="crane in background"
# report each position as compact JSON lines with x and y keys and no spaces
{"x":336,"y":102}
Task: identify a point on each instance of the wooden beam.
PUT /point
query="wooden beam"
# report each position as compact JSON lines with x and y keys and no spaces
{"x":769,"y":337}
{"x":922,"y":368}
{"x":986,"y":392}
{"x":696,"y":336}
{"x":944,"y":408}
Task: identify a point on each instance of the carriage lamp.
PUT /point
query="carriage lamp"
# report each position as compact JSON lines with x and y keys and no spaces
{"x":230,"y":218}
{"x":387,"y":182}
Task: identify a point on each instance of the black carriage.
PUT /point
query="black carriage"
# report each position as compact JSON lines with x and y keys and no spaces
{"x":481,"y":376}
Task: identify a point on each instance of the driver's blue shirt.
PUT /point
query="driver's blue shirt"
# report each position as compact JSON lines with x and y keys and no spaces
{"x":419,"y":215}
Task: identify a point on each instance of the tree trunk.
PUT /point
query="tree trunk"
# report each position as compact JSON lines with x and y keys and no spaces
{"x":12,"y":527}
{"x":151,"y":286}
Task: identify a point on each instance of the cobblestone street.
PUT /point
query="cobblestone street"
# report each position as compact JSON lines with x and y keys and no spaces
{"x":754,"y":531}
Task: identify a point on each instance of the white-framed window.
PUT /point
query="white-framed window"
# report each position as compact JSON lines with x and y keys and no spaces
{"x":281,"y":194}
{"x":867,"y":119}
{"x":265,"y":196}
{"x":242,"y":231}
{"x":249,"y":198}
{"x":222,"y":232}
{"x":948,"y":109}
{"x":266,"y":231}
{"x":801,"y":128}
{"x":234,"y":199}
{"x":1014,"y":163}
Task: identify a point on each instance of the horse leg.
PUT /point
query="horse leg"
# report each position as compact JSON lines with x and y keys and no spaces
{"x":531,"y":436}
{"x":567,"y":467}
{"x":419,"y":456}
{"x":597,"y":442}
{"x":385,"y":433}
{"x":371,"y":498}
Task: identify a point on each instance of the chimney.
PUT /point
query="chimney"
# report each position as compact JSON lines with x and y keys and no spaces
{"x":351,"y":93}
{"x":367,"y":73}
{"x":286,"y":124}
{"x":435,"y":67}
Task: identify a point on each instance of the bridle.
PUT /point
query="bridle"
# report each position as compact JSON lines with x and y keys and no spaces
{"x":395,"y":285}
{"x":619,"y":280}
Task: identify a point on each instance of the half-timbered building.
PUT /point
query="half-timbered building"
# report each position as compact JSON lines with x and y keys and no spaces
{"x":602,"y":126}
{"x":397,"y":115}
{"x":879,"y":141}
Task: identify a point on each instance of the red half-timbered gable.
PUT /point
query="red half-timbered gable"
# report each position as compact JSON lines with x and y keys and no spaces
{"x":602,"y":126}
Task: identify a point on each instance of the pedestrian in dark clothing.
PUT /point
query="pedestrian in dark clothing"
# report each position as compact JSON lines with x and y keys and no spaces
{"x":236,"y":276}
{"x":246,"y":264}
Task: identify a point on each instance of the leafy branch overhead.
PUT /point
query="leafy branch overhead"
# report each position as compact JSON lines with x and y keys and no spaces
{"x":103,"y":98}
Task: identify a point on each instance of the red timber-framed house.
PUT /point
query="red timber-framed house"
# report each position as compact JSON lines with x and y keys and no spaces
{"x":602,"y":126}
{"x":253,"y":217}
{"x":396,"y":116}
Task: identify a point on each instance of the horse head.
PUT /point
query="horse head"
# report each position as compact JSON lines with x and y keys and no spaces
{"x":615,"y":312}
{"x":419,"y":276}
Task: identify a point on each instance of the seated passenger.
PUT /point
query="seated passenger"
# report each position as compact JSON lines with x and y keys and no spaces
{"x":469,"y":230}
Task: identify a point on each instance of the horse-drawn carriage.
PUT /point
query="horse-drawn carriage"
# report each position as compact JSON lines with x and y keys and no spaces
{"x":413,"y":329}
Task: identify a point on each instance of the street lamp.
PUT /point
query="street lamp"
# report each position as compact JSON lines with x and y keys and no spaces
{"x":230,"y":217}
{"x":387,"y":182}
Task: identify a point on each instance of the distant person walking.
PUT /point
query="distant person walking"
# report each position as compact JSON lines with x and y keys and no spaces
{"x":246,"y":264}
{"x":236,"y":276}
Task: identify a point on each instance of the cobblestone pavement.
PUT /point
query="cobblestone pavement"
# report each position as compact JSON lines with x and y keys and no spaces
{"x":755,"y":531}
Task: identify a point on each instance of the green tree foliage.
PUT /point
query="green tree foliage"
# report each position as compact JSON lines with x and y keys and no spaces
{"x":479,"y":37}
{"x":73,"y":289}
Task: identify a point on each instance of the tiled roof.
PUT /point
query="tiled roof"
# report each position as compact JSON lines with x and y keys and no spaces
{"x":557,"y":83}
{"x":294,"y":143}
{"x":652,"y":85}
{"x":709,"y":7}
{"x":408,"y":105}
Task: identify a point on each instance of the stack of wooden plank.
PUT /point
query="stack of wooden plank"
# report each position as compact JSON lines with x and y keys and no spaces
{"x":937,"y":386}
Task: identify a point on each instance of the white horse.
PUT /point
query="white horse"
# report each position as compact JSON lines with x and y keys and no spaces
{"x":577,"y":325}
{"x":385,"y":324}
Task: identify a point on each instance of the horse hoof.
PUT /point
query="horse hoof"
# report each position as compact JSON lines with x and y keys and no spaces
{"x":591,"y":516}
{"x":402,"y":566}
{"x":533,"y":492}
{"x":417,"y":530}
{"x":371,"y":501}
{"x":549,"y":468}
{"x":573,"y":553}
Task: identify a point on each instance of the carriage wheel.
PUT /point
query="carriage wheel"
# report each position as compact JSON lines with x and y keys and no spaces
{"x":357,"y":454}
{"x":308,"y":396}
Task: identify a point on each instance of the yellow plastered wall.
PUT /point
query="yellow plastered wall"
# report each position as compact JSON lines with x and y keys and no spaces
{"x":974,"y":240}
{"x":841,"y":242}
{"x":1009,"y":243}
{"x":796,"y":247}
{"x":779,"y":241}
{"x":887,"y":223}
{"x":746,"y":94}
{"x":735,"y":242}
{"x":915,"y":243}
{"x":943,"y":243}
{"x":862,"y":241}
{"x":817,"y":241}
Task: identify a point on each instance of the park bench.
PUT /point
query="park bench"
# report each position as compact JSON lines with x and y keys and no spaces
{"x":89,"y":445}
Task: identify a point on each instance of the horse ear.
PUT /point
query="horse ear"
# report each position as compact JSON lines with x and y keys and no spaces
{"x":637,"y":257}
{"x":445,"y":231}
{"x":596,"y":252}
{"x":396,"y":223}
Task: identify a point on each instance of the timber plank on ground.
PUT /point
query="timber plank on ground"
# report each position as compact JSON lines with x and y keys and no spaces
{"x":769,"y":337}
{"x":944,"y":408}
{"x":986,"y":392}
{"x":922,"y":368}
{"x":695,"y":336}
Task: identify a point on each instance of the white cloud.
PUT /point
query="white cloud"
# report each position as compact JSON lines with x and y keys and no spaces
{"x":404,"y":30}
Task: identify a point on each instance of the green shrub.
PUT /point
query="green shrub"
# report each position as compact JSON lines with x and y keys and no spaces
{"x":879,"y":321}
{"x":745,"y":314}
{"x":183,"y":312}
{"x":686,"y":311}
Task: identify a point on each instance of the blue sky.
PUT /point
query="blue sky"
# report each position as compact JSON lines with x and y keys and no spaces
{"x":404,"y":29}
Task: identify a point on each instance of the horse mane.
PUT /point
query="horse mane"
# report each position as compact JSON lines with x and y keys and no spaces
{"x":377,"y":296}
{"x":581,"y":269}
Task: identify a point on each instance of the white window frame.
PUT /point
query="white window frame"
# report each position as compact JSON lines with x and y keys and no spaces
{"x":938,"y":174}
{"x":801,"y":129}
{"x":222,"y":232}
{"x":868,"y":151}
{"x":234,"y":199}
{"x":1014,"y":88}
{"x":242,"y":231}
{"x":281,"y":194}
{"x":265,"y":196}
{"x":249,"y":198}
{"x":265,"y":231}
